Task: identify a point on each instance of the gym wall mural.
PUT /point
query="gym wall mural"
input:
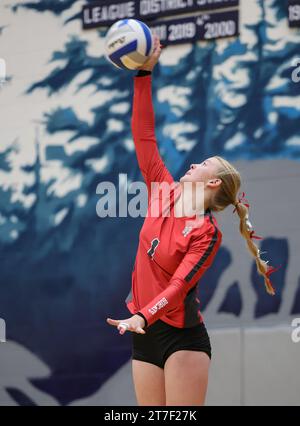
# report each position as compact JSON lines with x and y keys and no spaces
{"x":65,"y":127}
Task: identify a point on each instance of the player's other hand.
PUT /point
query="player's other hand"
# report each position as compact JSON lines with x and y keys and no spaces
{"x":135,"y":324}
{"x":153,"y":59}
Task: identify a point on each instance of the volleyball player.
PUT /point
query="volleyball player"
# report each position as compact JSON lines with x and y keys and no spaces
{"x":171,"y":350}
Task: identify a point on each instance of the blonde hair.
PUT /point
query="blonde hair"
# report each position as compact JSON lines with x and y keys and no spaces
{"x":226,"y":195}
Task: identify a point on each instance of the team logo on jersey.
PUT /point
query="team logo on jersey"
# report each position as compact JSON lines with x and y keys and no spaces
{"x":160,"y":304}
{"x":154,"y":244}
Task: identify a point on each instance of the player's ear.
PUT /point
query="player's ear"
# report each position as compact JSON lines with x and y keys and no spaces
{"x":214,"y":182}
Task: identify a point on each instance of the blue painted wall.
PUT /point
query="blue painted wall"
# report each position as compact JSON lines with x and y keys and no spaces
{"x":65,"y":127}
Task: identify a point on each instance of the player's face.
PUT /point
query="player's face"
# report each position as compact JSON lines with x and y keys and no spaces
{"x":202,"y":172}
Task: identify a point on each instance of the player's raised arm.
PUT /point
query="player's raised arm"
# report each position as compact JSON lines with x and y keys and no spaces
{"x":143,"y":124}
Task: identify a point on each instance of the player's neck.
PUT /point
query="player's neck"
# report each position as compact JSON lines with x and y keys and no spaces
{"x":193,"y":199}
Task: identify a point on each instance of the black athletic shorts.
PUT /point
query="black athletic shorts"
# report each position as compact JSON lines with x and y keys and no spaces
{"x":162,"y":339}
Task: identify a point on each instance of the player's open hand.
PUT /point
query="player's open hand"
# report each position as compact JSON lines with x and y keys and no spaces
{"x":134,"y":323}
{"x":153,"y":59}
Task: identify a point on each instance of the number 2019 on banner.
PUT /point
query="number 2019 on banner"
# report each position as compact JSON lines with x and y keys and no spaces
{"x":204,"y":27}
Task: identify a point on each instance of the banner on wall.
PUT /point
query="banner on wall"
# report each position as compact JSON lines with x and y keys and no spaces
{"x":105,"y":13}
{"x":201,"y":28}
{"x":294,"y":13}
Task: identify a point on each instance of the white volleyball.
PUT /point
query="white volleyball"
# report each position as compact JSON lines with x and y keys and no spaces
{"x":128,"y":44}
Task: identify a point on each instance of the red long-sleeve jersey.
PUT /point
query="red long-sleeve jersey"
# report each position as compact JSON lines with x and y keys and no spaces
{"x":169,"y":261}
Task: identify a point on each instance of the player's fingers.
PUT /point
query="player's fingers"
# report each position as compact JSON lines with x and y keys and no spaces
{"x":156,"y":40}
{"x":124,"y":326}
{"x":122,"y":330}
{"x":139,"y":330}
{"x":112,"y":322}
{"x":156,"y":44}
{"x":156,"y":48}
{"x":157,"y":51}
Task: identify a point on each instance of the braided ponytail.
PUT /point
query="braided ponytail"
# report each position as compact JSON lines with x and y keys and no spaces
{"x":246,"y":230}
{"x":226,"y":195}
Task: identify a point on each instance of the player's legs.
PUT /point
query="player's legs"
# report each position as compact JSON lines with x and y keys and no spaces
{"x":186,"y":377}
{"x":149,"y":383}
